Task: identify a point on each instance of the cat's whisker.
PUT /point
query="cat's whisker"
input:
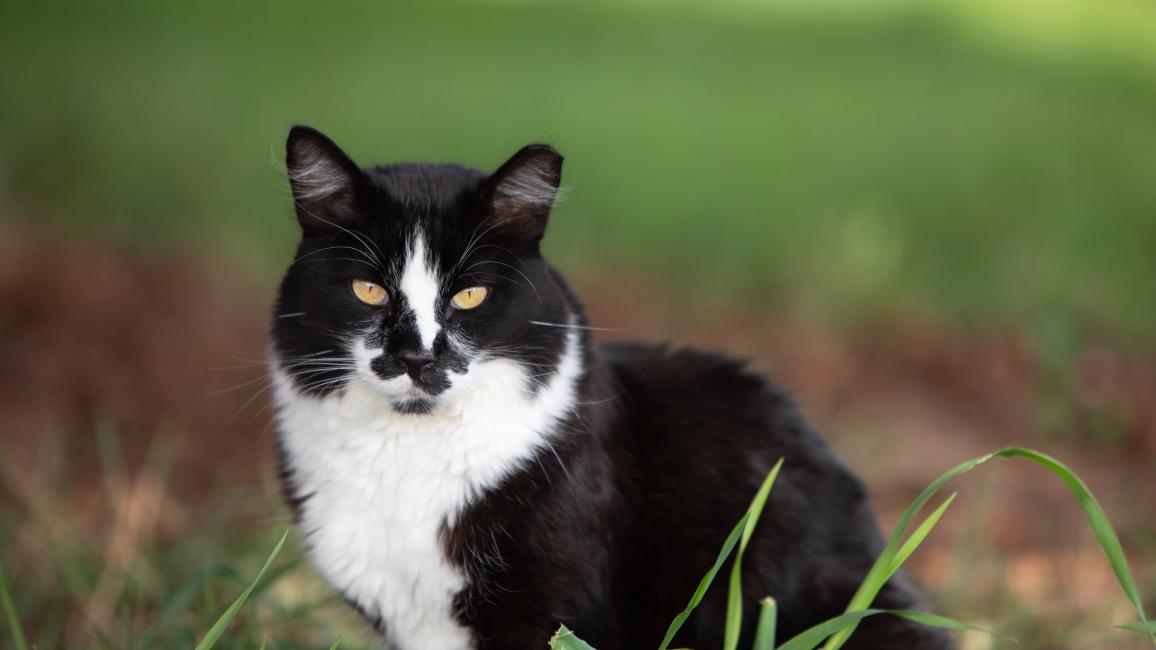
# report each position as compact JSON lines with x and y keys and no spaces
{"x":501,"y":248}
{"x":469,"y":247}
{"x":301,"y":370}
{"x":571,"y":326}
{"x":347,"y":259}
{"x":294,"y":357}
{"x":514,"y":269}
{"x":549,"y":445}
{"x":312,"y":372}
{"x":480,"y":274}
{"x":317,"y":385}
{"x":325,"y":382}
{"x":312,"y":363}
{"x":466,"y":251}
{"x":237,"y":387}
{"x":247,"y":363}
{"x":340,"y":247}
{"x":361,"y":238}
{"x":285,"y":361}
{"x":600,"y":401}
{"x":327,"y":361}
{"x":264,"y":389}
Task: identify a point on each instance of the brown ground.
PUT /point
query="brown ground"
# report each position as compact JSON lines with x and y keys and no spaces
{"x":93,"y":338}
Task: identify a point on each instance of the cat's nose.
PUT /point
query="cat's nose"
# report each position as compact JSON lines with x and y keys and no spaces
{"x":416,"y":360}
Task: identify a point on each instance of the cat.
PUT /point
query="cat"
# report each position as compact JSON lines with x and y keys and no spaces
{"x":469,"y":470}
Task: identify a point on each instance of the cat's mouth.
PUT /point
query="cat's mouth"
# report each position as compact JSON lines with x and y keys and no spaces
{"x":416,"y":406}
{"x":412,"y":397}
{"x":406,"y":393}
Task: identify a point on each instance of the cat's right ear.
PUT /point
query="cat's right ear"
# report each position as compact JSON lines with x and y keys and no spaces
{"x":325,"y":182}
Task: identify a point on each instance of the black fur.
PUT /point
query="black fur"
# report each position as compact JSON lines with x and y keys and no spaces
{"x":610,"y":531}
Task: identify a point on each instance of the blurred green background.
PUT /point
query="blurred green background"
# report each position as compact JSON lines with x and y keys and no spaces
{"x":975,"y":161}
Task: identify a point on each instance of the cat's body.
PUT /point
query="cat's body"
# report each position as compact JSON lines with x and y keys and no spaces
{"x":473,"y":476}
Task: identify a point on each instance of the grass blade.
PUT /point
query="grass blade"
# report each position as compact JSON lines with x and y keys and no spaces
{"x":1142,"y":628}
{"x":728,"y":546}
{"x":768,"y":618}
{"x":696,"y":598}
{"x":935,"y":620}
{"x":336,"y":642}
{"x":176,"y":604}
{"x":214,"y":634}
{"x":886,"y":564}
{"x":14,"y":626}
{"x":734,"y":619}
{"x":812,"y":637}
{"x":565,"y":639}
{"x":919,"y":535}
{"x":275,"y":576}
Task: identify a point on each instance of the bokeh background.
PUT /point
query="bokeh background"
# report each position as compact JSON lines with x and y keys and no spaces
{"x":934,"y":221}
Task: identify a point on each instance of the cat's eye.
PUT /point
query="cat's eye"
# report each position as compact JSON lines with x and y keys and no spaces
{"x":470,"y":298}
{"x":369,"y":292}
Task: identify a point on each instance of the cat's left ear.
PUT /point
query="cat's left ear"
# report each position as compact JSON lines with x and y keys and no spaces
{"x":326,"y":184}
{"x":519,"y":195}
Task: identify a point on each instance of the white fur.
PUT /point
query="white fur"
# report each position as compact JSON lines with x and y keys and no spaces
{"x":381,"y":484}
{"x":420,"y":284}
{"x":318,"y":179}
{"x":529,"y":185}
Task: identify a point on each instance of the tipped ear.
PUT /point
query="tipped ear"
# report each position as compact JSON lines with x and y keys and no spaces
{"x":519,"y":195}
{"x":325,"y":182}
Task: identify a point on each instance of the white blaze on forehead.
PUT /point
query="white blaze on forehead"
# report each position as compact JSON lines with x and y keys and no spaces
{"x":420,"y":286}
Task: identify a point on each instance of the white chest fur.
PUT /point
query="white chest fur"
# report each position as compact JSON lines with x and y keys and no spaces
{"x":381,"y":484}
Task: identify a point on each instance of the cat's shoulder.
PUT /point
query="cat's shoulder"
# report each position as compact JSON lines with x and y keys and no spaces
{"x":693,"y":384}
{"x":667,"y":366}
{"x":684,"y":403}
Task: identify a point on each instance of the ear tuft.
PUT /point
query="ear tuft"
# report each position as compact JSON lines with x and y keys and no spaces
{"x":325,"y":182}
{"x":523,"y":189}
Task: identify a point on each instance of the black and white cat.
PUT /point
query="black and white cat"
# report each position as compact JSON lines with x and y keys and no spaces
{"x":470,"y":471}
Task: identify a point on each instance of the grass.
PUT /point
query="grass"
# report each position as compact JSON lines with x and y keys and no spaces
{"x":218,"y":629}
{"x":834,"y":633}
{"x":951,"y":158}
{"x":15,"y":627}
{"x":284,"y":606}
{"x":137,"y":563}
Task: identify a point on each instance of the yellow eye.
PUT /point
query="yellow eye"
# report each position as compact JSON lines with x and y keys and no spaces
{"x":369,"y":293}
{"x":470,"y":298}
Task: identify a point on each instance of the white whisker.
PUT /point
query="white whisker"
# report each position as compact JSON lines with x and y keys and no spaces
{"x":579,"y":327}
{"x":514,"y":269}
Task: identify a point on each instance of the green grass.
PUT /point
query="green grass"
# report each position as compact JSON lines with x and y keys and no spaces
{"x":215,"y":632}
{"x":852,"y":160}
{"x":12,"y":617}
{"x":833,"y":633}
{"x":140,"y":566}
{"x":216,"y":580}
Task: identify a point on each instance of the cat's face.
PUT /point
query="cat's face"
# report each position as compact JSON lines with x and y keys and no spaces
{"x":409,"y":277}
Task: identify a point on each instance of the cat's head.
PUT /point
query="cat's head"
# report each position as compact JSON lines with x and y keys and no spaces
{"x":409,"y":277}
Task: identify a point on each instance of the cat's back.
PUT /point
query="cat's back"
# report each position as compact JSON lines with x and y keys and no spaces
{"x":689,"y":398}
{"x":703,"y":432}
